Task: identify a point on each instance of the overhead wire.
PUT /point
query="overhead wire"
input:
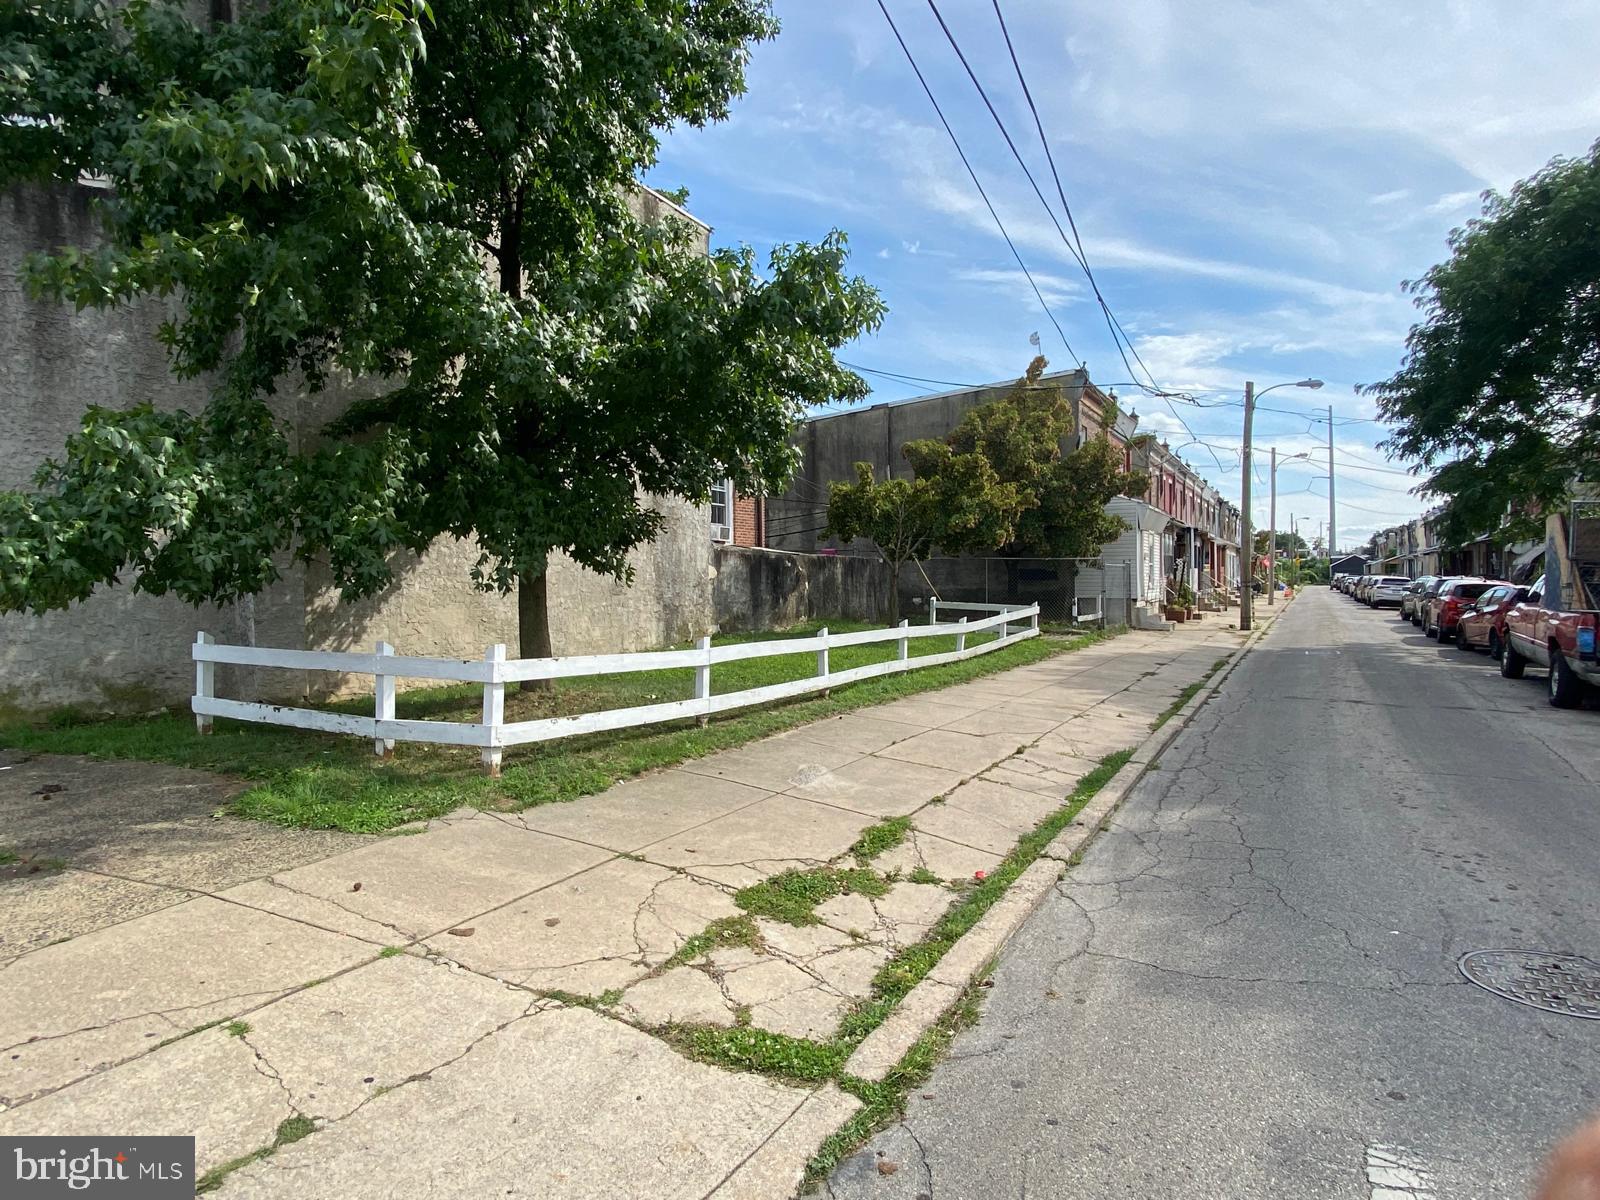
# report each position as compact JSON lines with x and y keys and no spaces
{"x":1074,"y":244}
{"x":1015,"y":253}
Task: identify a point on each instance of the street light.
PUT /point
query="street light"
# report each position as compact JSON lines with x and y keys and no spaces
{"x":1272,"y":518}
{"x":1247,"y":538}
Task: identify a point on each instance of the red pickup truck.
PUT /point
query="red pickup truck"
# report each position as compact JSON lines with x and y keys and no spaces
{"x":1564,"y":641}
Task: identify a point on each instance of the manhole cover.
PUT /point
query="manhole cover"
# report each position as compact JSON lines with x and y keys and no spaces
{"x":1558,"y":983}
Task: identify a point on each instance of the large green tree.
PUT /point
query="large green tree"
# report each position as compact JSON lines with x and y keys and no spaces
{"x":431,"y":203}
{"x":1027,"y":436}
{"x":1499,"y":392}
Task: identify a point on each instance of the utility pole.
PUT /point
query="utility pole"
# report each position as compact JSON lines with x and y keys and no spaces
{"x":1272,"y":536}
{"x":1246,"y":538}
{"x":1333,"y":536}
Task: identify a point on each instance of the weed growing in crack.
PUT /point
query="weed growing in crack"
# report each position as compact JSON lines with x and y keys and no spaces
{"x":290,"y":1130}
{"x":909,"y":966}
{"x":725,"y":931}
{"x":875,"y":839}
{"x":793,"y":896}
{"x":237,"y":1028}
{"x":746,"y":1048}
{"x":884,"y":1102}
{"x":391,"y":951}
{"x":923,"y":875}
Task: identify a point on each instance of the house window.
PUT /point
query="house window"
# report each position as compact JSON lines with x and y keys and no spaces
{"x":722,"y":511}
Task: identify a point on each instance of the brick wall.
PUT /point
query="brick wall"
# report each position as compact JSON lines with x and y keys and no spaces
{"x":749,"y":521}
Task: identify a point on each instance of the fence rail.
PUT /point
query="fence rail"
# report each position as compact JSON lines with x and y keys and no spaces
{"x":1010,"y":623}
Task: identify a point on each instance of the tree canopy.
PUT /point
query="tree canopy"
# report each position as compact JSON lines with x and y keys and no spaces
{"x":1027,"y":436}
{"x":961,"y":505}
{"x":432,"y":204}
{"x":1499,"y":391}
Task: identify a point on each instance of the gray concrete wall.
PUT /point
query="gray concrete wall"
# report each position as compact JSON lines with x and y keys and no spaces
{"x":122,"y":651}
{"x":831,"y":446}
{"x":758,"y":589}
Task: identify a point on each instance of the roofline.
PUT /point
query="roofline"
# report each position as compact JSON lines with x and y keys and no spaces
{"x":676,"y":207}
{"x":960,"y":391}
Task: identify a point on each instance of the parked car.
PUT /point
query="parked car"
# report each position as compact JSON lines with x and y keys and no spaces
{"x":1386,"y":590}
{"x":1420,"y":601}
{"x":1562,"y":639}
{"x":1483,"y":625}
{"x":1368,"y":582}
{"x":1442,"y":610}
{"x":1408,"y":602}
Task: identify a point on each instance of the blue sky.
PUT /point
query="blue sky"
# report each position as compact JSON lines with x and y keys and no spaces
{"x":1252,"y":183}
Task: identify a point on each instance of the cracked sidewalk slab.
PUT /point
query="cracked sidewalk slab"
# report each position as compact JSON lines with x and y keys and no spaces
{"x":605,"y":928}
{"x":561,"y":1105}
{"x":78,"y":1007}
{"x":421,"y":885}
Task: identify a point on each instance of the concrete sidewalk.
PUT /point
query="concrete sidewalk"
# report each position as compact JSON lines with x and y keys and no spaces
{"x":444,"y":1049}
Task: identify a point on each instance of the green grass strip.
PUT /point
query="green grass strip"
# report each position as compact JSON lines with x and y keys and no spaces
{"x":1188,"y":694}
{"x":323,"y":781}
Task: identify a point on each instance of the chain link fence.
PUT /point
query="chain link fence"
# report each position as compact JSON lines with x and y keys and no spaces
{"x":1070,"y":592}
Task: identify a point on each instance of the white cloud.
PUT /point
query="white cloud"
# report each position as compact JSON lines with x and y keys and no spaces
{"x":1452,"y":202}
{"x":1056,"y":289}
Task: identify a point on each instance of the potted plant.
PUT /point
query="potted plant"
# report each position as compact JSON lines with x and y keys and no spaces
{"x":1185,"y":599}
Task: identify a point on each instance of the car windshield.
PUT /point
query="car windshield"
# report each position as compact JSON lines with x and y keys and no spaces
{"x":1394,"y":580}
{"x":1470,"y":591}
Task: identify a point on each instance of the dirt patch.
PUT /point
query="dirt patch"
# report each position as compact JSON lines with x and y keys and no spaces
{"x":88,"y":843}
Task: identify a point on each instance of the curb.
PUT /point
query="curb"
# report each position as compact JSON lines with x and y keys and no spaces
{"x":885,"y":1046}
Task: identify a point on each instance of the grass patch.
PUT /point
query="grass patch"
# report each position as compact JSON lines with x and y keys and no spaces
{"x":325,"y":781}
{"x":909,"y":966}
{"x":746,"y":1048}
{"x":237,"y":1028}
{"x":883,"y":1103}
{"x":290,"y":1130}
{"x":876,"y":839}
{"x":1188,"y":694}
{"x":923,"y":875}
{"x":793,"y":896}
{"x":391,"y":951}
{"x":29,"y":864}
{"x":726,"y":931}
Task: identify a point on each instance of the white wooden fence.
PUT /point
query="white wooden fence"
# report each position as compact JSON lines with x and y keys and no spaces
{"x":494,"y":670}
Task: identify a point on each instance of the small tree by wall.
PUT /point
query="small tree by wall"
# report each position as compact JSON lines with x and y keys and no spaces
{"x":960,"y":506}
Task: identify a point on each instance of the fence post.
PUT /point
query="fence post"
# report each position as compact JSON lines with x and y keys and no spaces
{"x":205,"y":682}
{"x":933,"y":611}
{"x":494,"y":710}
{"x":383,"y":702}
{"x":903,"y":646}
{"x":702,"y":679}
{"x":822,"y":660}
{"x":961,"y":636}
{"x":1036,"y":618}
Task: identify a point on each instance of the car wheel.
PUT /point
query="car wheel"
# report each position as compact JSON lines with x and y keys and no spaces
{"x":1494,"y":645}
{"x":1462,"y":643}
{"x":1512,"y":664}
{"x":1566,"y":689}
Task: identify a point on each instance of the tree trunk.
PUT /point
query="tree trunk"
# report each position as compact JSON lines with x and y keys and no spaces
{"x":894,"y":593}
{"x":533,"y":624}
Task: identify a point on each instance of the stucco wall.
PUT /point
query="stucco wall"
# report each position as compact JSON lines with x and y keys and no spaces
{"x":768,"y":589}
{"x":122,"y":651}
{"x":119,"y":650}
{"x":831,"y":446}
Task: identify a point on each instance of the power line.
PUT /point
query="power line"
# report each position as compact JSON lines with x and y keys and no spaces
{"x":906,"y":50}
{"x":1074,"y":245}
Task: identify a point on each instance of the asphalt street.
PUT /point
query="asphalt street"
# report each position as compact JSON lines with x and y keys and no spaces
{"x":1248,"y":988}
